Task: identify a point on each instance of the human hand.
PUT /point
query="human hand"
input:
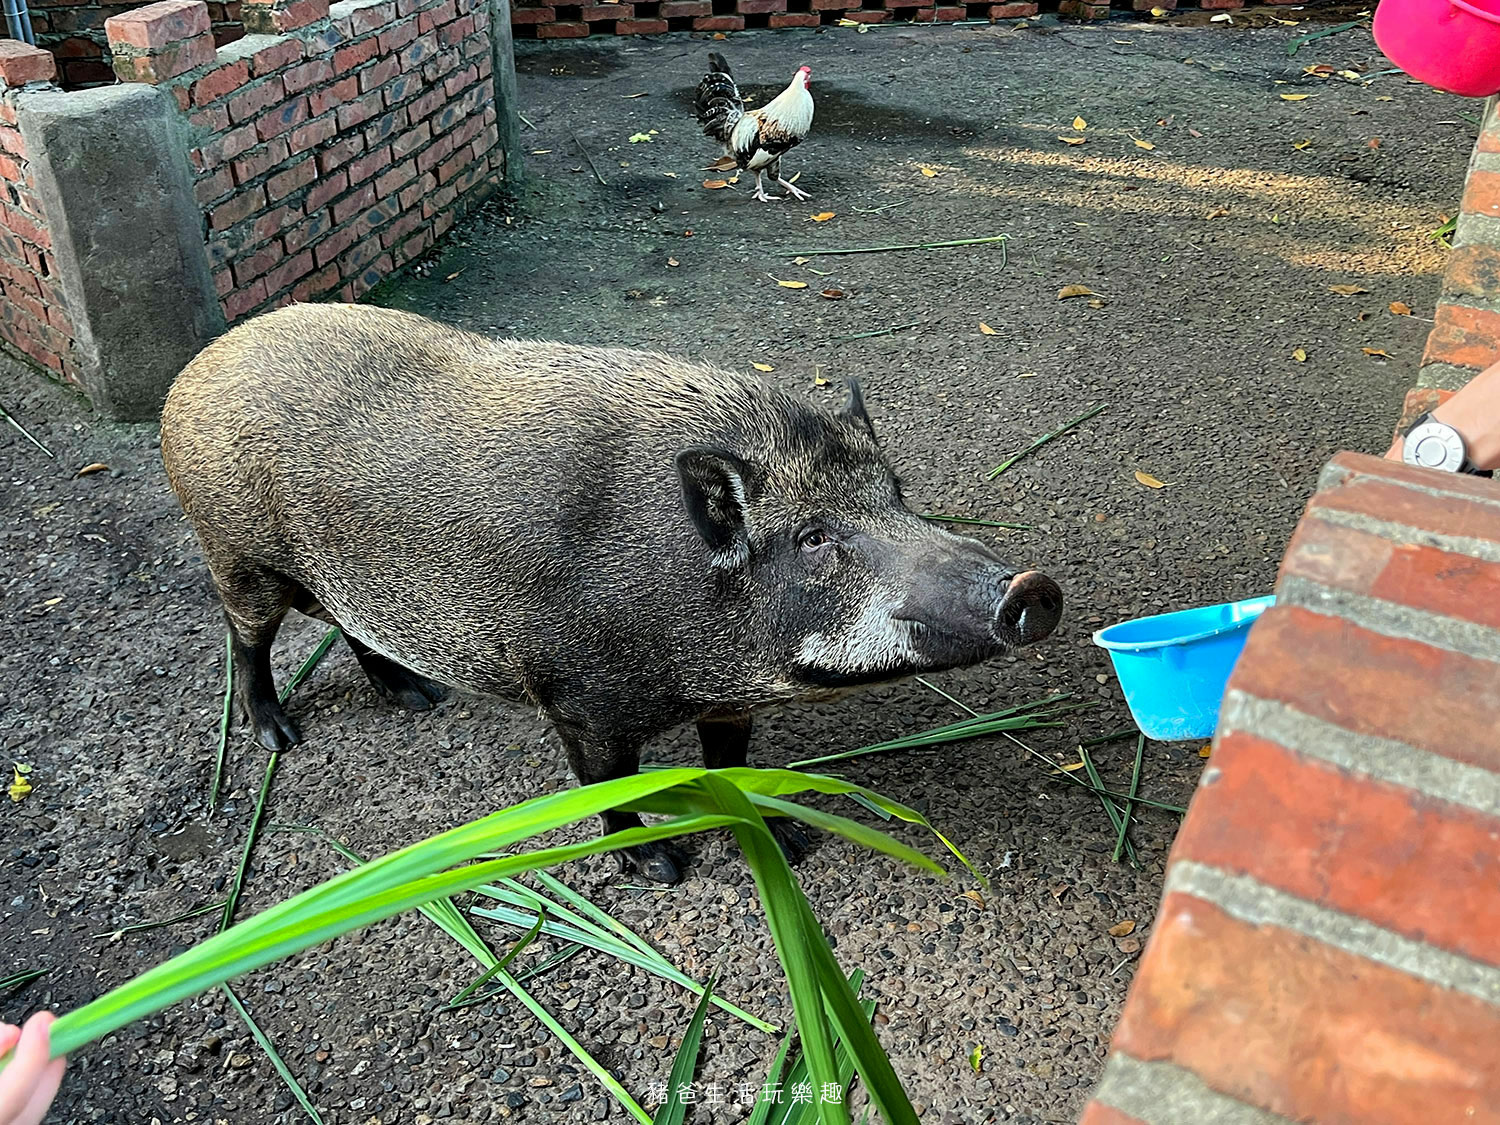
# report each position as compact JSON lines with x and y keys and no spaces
{"x":29,"y":1081}
{"x":1474,"y":412}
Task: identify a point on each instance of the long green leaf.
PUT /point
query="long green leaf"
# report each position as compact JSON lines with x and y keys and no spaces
{"x":276,"y":1060}
{"x":383,"y":887}
{"x":654,"y":964}
{"x":674,"y":1109}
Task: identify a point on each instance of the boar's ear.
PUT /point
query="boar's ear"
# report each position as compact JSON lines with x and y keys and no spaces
{"x":713,"y":490}
{"x":854,"y":406}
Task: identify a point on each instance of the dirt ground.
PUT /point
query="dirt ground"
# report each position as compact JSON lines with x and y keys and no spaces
{"x":1212,"y":253}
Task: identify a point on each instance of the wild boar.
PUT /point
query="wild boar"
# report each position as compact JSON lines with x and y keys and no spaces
{"x":635,"y":541}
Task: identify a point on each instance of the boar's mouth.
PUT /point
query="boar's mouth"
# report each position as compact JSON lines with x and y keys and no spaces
{"x":1029,"y":611}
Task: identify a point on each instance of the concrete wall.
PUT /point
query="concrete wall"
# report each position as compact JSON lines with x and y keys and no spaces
{"x":310,"y":158}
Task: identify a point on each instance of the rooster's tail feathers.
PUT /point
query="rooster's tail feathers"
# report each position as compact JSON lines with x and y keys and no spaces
{"x":718,"y":103}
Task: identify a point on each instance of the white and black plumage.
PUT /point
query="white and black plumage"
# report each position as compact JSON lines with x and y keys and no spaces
{"x":757,"y":139}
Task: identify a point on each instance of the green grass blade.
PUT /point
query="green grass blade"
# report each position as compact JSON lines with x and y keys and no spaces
{"x":1135,"y":784}
{"x":195,"y":912}
{"x":655,"y":963}
{"x":584,"y":906}
{"x":16,"y":980}
{"x":861,"y":834}
{"x":499,"y":966}
{"x":547,"y":964}
{"x":763,"y":1107}
{"x":239,"y":875}
{"x":673,"y":1110}
{"x":367,"y":894}
{"x":213,"y":792}
{"x":787,"y":916}
{"x":309,"y":664}
{"x":276,"y":1060}
{"x":1110,"y":810}
{"x":606,"y":1079}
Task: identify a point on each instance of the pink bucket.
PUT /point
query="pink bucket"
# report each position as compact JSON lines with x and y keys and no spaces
{"x":1453,"y":45}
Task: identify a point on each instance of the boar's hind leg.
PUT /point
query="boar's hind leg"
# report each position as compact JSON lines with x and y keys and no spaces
{"x":726,"y":743}
{"x":597,"y":756}
{"x":395,"y":682}
{"x":255,"y":600}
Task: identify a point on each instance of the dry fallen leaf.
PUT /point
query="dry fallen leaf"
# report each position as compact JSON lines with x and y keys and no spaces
{"x":1147,"y":145}
{"x":673,"y":262}
{"x":715,"y":185}
{"x":1400,"y":308}
{"x":1381,"y":352}
{"x":1294,"y":97}
{"x":1300,"y":355}
{"x":1206,"y":750}
{"x":1096,"y":304}
{"x":986,"y":329}
{"x":975,"y":897}
{"x":1217,"y":213}
{"x":1128,"y":945}
{"x":1074,"y":291}
{"x":1158,"y":12}
{"x":1072,"y":140}
{"x":800,"y":261}
{"x":1148,"y":480}
{"x":1300,"y":145}
{"x":19,"y":786}
{"x":926,"y":171}
{"x":1194,"y":133}
{"x":90,"y":470}
{"x":1123,"y":929}
{"x":1348,"y":290}
{"x":1079,"y":124}
{"x":832,"y":294}
{"x":762,"y":366}
{"x":1374,"y":143}
{"x":822,"y":216}
{"x":1385,"y":98}
{"x":720,"y":36}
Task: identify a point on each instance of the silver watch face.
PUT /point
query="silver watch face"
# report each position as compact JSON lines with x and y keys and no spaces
{"x":1433,"y":445}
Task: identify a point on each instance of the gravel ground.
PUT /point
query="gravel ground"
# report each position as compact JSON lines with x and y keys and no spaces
{"x":1212,"y":254}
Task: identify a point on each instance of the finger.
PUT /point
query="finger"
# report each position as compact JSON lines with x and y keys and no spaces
{"x":9,"y":1033}
{"x":26,"y":1066}
{"x":46,"y":1090}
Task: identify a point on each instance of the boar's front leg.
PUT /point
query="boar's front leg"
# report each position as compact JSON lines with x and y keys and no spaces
{"x":726,"y":744}
{"x":600,"y":756}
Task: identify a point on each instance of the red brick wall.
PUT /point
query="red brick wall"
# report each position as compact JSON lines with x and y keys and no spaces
{"x":534,"y":19}
{"x":73,"y":30}
{"x":1465,"y":337}
{"x":1328,"y":944}
{"x":328,"y":155}
{"x":33,"y":314}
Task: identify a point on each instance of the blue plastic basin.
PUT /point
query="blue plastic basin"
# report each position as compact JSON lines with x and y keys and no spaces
{"x":1173,"y":666}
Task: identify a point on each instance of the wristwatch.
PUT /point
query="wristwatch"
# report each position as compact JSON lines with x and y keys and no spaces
{"x":1436,"y":445}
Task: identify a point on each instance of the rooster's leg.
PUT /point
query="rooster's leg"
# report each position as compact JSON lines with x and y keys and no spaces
{"x":760,"y":192}
{"x":800,"y":194}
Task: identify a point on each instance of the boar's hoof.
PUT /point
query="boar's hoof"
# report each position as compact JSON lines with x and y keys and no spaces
{"x":656,"y":862}
{"x":273,"y":729}
{"x":400,"y":685}
{"x":796,"y":841}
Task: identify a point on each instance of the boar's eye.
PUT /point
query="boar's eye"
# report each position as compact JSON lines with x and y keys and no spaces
{"x":815,"y":539}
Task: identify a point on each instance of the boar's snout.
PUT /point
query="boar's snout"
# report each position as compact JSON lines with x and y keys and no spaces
{"x":1028,"y":611}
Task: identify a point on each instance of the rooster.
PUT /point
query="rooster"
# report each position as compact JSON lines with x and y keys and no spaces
{"x":756,"y":140}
